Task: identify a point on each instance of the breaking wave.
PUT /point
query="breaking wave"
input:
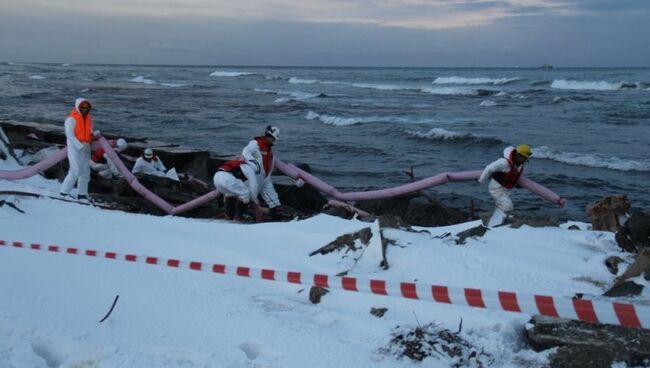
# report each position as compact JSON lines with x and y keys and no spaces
{"x":488,"y":103}
{"x":142,"y":79}
{"x":345,"y":121}
{"x":293,"y":95}
{"x":36,"y":77}
{"x":296,"y":80}
{"x":222,"y":73}
{"x":440,"y":134}
{"x":462,"y":80}
{"x":589,"y":160}
{"x":592,"y":85}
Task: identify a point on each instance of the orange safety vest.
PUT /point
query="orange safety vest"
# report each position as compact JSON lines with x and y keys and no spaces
{"x":234,"y":167}
{"x":83,"y":130}
{"x":98,"y":155}
{"x":267,"y":154}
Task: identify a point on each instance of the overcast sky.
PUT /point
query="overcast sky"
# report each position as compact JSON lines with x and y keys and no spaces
{"x":328,"y":32}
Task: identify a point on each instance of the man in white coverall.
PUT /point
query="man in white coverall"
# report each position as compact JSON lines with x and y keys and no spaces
{"x":238,"y":181}
{"x":260,"y":149}
{"x":78,"y":134}
{"x":149,"y":164}
{"x":504,"y":174}
{"x":101,"y":163}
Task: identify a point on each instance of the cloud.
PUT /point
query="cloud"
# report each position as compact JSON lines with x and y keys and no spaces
{"x":419,"y":14}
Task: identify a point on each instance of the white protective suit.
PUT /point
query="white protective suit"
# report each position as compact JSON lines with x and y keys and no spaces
{"x":153,"y":167}
{"x":245,"y":191}
{"x":252,"y":152}
{"x":106,"y":170}
{"x":499,"y":193}
{"x":78,"y":157}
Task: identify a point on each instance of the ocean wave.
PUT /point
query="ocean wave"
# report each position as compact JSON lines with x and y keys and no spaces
{"x":223,"y":73}
{"x":142,"y":79}
{"x":341,"y":121}
{"x":383,"y":87}
{"x":36,"y":77}
{"x":464,"y":91}
{"x":592,"y":85}
{"x":173,"y":85}
{"x":488,"y":103}
{"x":296,"y":80}
{"x":440,"y":134}
{"x":293,"y":95}
{"x":462,"y":80}
{"x":591,"y":160}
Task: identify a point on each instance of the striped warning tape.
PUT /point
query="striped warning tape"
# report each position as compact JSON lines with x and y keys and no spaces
{"x":594,"y":311}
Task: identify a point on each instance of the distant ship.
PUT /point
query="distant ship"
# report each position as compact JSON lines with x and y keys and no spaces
{"x":547,"y":66}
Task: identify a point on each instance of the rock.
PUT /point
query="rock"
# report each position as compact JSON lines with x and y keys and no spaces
{"x":316,"y":293}
{"x":635,"y":234}
{"x":378,"y":312}
{"x":477,"y":231}
{"x":641,"y":263}
{"x":582,"y":344}
{"x":612,"y":263}
{"x":605,"y":214}
{"x":626,"y":288}
{"x":414,"y":209}
{"x":345,"y":241}
{"x":573,"y":227}
{"x":516,"y":221}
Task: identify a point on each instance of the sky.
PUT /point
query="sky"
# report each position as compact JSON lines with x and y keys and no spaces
{"x":417,"y":33}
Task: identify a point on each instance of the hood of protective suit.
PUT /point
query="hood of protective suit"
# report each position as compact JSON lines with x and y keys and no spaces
{"x":508,"y":151}
{"x":78,"y":102}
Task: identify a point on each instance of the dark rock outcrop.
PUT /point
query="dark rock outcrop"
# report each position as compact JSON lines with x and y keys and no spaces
{"x":635,"y":234}
{"x":587,"y":345}
{"x":415,"y":209}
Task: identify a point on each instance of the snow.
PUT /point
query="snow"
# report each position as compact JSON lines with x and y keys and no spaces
{"x":169,"y":317}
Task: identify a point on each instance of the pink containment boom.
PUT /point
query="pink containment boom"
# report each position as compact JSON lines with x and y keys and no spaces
{"x":288,"y":169}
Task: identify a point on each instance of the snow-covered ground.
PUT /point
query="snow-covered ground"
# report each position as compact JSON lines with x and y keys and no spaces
{"x":51,"y":303}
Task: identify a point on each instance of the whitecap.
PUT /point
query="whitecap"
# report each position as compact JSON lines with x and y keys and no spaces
{"x":450,"y":91}
{"x":556,"y":99}
{"x":296,"y":80}
{"x":142,"y":79}
{"x":479,"y":80}
{"x":173,"y":85}
{"x":586,"y":85}
{"x":501,"y":94}
{"x":220,"y":73}
{"x":591,"y":160}
{"x":488,"y":103}
{"x":36,"y":77}
{"x":382,"y":87}
{"x":440,"y":133}
{"x":341,"y":121}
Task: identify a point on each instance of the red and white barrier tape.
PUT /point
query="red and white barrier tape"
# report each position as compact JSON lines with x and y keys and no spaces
{"x":595,"y":311}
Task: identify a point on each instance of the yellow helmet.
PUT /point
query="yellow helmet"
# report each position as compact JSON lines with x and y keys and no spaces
{"x":524,"y":149}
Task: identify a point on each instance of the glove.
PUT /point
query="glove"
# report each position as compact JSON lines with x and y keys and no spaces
{"x":97,"y":134}
{"x":299,"y":183}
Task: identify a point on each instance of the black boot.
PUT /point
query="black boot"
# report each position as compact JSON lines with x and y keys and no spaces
{"x":229,"y":207}
{"x":241,"y":212}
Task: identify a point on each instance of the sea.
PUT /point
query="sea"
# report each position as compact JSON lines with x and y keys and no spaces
{"x":367,"y":128}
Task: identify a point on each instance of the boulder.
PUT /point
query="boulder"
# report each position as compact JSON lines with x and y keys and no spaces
{"x":415,"y":209}
{"x":606,"y":213}
{"x":582,"y":344}
{"x":635,"y":234}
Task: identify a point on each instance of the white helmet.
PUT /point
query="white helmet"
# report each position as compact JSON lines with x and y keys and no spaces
{"x":121,"y":145}
{"x":273,"y":131}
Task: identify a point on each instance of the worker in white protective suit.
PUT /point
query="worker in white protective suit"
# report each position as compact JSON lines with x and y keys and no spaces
{"x":504,"y":173}
{"x":102,"y":164}
{"x":78,"y":133}
{"x":260,"y":149}
{"x":238,"y":181}
{"x":149,"y":164}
